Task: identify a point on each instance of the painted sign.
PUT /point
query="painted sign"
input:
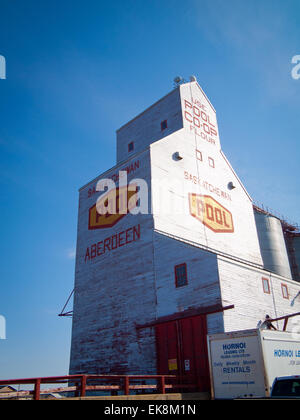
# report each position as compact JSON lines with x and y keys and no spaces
{"x":187,"y":365}
{"x":211,"y":213}
{"x":112,"y":207}
{"x":172,"y":364}
{"x":129,"y":169}
{"x":113,"y":242}
{"x":195,"y":179}
{"x":237,"y":367}
{"x":199,"y":120}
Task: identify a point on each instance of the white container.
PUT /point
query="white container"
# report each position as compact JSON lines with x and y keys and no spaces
{"x":244,"y":364}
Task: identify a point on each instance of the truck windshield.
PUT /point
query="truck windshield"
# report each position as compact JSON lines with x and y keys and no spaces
{"x":286,"y":388}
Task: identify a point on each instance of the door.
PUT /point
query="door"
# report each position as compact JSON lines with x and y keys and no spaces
{"x":182,"y":350}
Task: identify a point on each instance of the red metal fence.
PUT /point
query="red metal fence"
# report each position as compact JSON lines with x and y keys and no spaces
{"x":80,"y":384}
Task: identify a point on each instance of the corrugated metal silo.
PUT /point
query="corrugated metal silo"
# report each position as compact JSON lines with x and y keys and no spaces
{"x":272,"y":244}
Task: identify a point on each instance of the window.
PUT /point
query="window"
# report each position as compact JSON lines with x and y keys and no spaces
{"x":130,"y":146}
{"x":199,"y":155}
{"x":266,"y":285}
{"x":211,"y":162}
{"x":163,"y":125}
{"x":181,"y":275}
{"x":285,"y":292}
{"x":286,"y":388}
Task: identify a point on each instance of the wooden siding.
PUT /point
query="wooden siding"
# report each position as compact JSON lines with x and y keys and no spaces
{"x":202,"y":289}
{"x":118,"y":287}
{"x":146,"y":127}
{"x":173,"y":181}
{"x":241,"y":285}
{"x":113,"y":291}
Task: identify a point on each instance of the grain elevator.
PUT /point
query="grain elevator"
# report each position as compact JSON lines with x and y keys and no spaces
{"x":180,"y":251}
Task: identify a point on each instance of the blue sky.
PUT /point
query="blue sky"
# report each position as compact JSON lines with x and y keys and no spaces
{"x":78,"y":70}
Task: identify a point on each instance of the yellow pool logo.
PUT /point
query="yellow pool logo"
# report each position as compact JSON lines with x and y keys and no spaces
{"x":112,"y":207}
{"x":211,"y":213}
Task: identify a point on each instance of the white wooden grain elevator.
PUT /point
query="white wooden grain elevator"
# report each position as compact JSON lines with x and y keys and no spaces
{"x":149,"y":285}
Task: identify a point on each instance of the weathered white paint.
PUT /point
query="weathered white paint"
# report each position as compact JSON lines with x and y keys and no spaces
{"x":242,"y":286}
{"x":134,"y":282}
{"x":146,"y":127}
{"x":172,"y":180}
{"x":113,"y":290}
{"x":202,"y":290}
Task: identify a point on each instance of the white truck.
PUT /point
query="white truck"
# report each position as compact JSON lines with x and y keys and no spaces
{"x":244,"y":364}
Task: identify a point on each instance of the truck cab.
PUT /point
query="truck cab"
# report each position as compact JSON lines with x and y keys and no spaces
{"x":286,"y":387}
